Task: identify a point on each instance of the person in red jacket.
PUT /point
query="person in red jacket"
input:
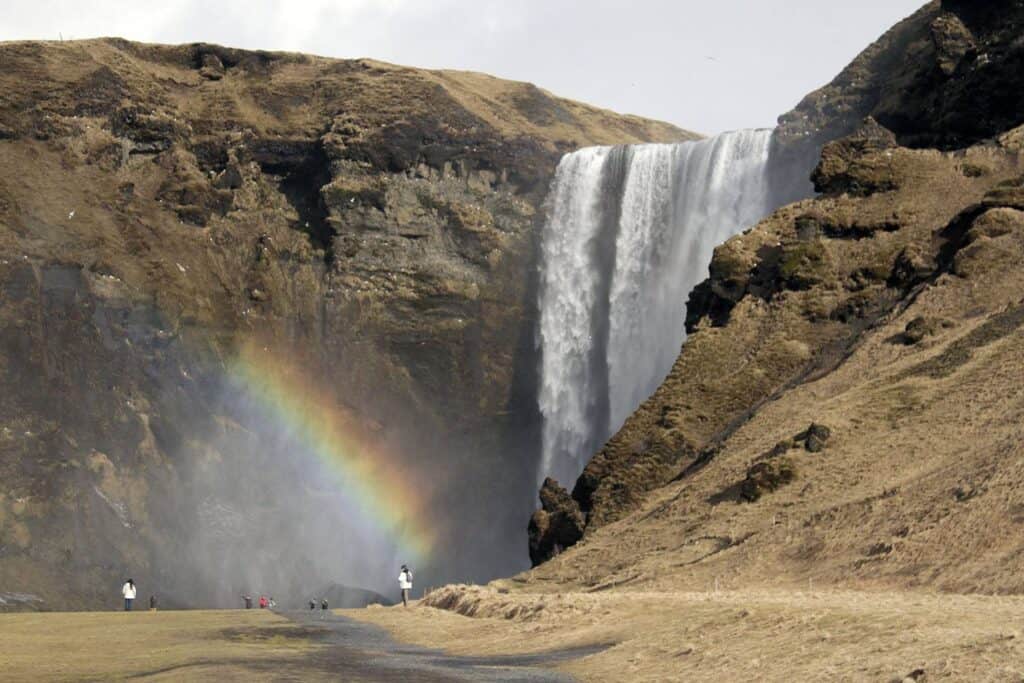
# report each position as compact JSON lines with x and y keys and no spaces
{"x":263,"y":602}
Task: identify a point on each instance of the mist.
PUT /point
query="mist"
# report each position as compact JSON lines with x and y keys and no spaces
{"x":257,"y":506}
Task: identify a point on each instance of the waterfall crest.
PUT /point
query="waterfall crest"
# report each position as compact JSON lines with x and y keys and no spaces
{"x":630,"y":232}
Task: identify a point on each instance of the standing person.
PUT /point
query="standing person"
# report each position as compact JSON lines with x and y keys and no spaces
{"x":152,"y":603}
{"x":405,"y":584}
{"x":248,"y":601}
{"x":312,"y":605}
{"x":263,"y":602}
{"x":128,"y":591}
{"x":323,"y":608}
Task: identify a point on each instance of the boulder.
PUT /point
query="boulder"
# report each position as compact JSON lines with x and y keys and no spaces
{"x":767,"y":476}
{"x":859,"y":164}
{"x":213,"y":68}
{"x":922,"y":327}
{"x":557,"y":525}
{"x":814,"y":437}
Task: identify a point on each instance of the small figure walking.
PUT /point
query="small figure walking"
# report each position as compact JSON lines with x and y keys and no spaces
{"x":128,"y":591}
{"x":323,"y":608}
{"x":405,"y":584}
{"x":263,"y":602}
{"x":152,"y":603}
{"x":248,"y":601}
{"x":312,"y":605}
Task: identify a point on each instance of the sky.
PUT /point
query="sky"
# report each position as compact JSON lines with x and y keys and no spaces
{"x":705,"y":65}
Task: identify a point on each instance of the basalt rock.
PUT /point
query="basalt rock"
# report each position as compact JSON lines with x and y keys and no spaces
{"x":859,"y":164}
{"x":814,"y":437}
{"x":557,"y":525}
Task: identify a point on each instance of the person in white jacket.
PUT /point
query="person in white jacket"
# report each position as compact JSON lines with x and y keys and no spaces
{"x":128,"y":591}
{"x":405,"y":584}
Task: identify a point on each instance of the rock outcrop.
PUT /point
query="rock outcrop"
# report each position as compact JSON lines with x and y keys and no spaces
{"x":557,"y":525}
{"x":162,"y":206}
{"x":946,"y":77}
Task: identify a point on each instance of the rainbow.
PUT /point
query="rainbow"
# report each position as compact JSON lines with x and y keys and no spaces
{"x":370,"y":479}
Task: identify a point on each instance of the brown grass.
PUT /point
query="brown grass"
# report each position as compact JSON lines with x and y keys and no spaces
{"x":165,"y":645}
{"x":753,"y":634}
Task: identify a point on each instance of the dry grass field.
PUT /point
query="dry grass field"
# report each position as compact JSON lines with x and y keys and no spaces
{"x":222,"y":645}
{"x":763,"y":635}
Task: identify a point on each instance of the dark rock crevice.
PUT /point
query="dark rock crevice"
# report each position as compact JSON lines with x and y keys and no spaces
{"x":301,"y":182}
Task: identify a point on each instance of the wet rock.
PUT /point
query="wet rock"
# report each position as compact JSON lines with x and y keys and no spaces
{"x":767,"y":476}
{"x":728,"y":281}
{"x":557,"y":525}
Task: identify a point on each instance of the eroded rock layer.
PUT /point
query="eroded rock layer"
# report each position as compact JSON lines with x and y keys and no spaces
{"x":370,"y":225}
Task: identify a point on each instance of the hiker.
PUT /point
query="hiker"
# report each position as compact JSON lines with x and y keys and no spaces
{"x":263,"y":602}
{"x":128,"y":591}
{"x":272,"y":603}
{"x":248,"y":601}
{"x":405,"y":584}
{"x":312,"y":605}
{"x":323,"y":608}
{"x":152,"y":603}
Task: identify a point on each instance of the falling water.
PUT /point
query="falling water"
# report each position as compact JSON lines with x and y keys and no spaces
{"x":630,"y":232}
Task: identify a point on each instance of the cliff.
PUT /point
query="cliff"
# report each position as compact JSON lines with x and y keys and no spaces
{"x":870,"y":296}
{"x":164,"y":207}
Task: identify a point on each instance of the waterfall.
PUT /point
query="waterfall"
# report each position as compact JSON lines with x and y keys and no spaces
{"x":630,"y":232}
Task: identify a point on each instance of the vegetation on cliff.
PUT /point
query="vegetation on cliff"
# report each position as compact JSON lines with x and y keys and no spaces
{"x":918,"y":219}
{"x":160,"y":206}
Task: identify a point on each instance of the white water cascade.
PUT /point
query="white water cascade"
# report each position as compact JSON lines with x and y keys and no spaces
{"x":630,"y":232}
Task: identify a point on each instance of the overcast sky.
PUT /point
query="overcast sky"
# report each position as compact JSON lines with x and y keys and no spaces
{"x":706,"y":65}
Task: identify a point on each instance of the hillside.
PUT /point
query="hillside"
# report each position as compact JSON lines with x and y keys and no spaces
{"x":895,"y":324}
{"x":793,"y":301}
{"x":205,"y":252}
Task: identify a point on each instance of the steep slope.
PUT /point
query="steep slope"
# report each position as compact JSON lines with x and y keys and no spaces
{"x":359,"y":235}
{"x":788,"y":301}
{"x":915,"y":478}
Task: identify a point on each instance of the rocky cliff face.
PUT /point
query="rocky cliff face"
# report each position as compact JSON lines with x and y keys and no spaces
{"x":907,"y":161}
{"x":946,"y":77}
{"x":162,"y":206}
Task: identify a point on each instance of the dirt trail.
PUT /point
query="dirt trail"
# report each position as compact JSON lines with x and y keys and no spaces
{"x":741,"y":635}
{"x":241,"y":645}
{"x":364,"y":652}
